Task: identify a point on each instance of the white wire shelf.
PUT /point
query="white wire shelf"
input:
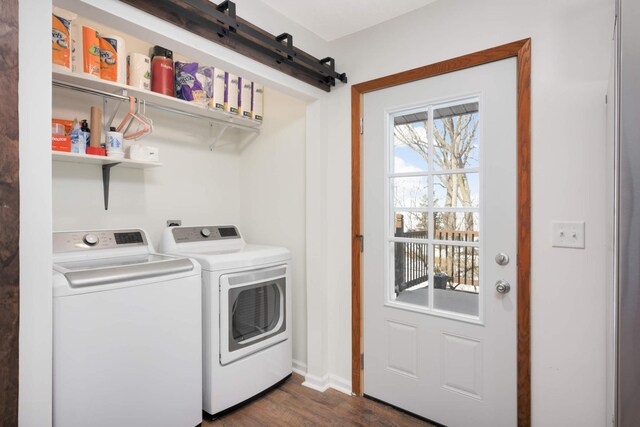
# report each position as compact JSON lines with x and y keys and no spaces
{"x":63,"y":156}
{"x":106,"y":89}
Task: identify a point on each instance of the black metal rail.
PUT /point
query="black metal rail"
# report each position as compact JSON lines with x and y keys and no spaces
{"x":221,"y":25}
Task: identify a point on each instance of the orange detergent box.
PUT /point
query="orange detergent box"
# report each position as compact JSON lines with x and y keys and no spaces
{"x":61,"y":143}
{"x":68,"y":124}
{"x":61,"y":41}
{"x":109,"y":59}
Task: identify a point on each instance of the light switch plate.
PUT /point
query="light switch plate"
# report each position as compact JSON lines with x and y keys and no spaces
{"x":568,"y":234}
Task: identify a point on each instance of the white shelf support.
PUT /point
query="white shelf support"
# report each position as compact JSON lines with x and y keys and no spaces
{"x":215,"y":139}
{"x":108,"y":122}
{"x":246,"y":141}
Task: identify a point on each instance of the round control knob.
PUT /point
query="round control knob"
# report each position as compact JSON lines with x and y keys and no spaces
{"x":205,"y":232}
{"x":90,"y":239}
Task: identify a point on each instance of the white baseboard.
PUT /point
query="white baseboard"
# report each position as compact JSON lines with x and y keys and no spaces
{"x":299,"y":367}
{"x":327,"y":381}
{"x":316,"y":383}
{"x":340,"y":384}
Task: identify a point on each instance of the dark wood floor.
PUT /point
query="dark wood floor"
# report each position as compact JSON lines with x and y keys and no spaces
{"x":292,"y":404}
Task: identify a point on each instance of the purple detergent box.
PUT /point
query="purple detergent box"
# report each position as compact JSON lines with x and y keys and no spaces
{"x":190,"y":82}
{"x":231,"y":93}
{"x":208,"y":72}
{"x":216,"y":101}
{"x":245,"y":96}
{"x":257,"y":101}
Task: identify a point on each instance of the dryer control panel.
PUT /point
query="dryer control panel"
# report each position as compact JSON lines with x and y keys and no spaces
{"x":204,"y":233}
{"x":68,"y":241}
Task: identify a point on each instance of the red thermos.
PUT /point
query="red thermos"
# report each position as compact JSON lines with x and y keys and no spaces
{"x":162,"y":71}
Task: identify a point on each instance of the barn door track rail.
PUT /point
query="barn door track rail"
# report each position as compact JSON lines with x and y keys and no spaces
{"x":221,"y":25}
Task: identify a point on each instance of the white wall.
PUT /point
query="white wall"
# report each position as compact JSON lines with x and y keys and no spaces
{"x":194,"y":184}
{"x":34,"y":405}
{"x":272,"y":198}
{"x":570,"y":63}
{"x":259,"y":13}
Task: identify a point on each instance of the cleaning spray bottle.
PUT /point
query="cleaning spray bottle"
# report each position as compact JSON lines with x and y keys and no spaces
{"x":84,"y":127}
{"x":77,"y":138}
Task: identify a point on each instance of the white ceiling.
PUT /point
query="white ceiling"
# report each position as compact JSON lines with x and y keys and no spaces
{"x":332,"y":19}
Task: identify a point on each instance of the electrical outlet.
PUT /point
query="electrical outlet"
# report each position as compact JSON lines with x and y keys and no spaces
{"x":174,"y":222}
{"x":568,"y":234}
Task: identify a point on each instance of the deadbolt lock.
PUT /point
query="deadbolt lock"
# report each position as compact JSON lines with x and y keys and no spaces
{"x":502,"y":259}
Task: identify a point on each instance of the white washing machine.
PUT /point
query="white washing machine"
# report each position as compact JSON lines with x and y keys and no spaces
{"x":127,"y":331}
{"x":246,"y":312}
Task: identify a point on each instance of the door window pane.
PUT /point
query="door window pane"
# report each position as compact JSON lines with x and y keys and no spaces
{"x":462,"y":226}
{"x":456,"y":190}
{"x":455,"y":136}
{"x":410,"y":192}
{"x":411,"y":225}
{"x":458,"y":268}
{"x":410,"y":142}
{"x":434,"y":207}
{"x":411,"y":267}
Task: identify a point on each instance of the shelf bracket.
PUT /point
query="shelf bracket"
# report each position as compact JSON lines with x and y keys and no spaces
{"x":107,"y":123}
{"x":216,"y":139}
{"x":106,"y":176}
{"x":246,"y":141}
{"x":242,"y":144}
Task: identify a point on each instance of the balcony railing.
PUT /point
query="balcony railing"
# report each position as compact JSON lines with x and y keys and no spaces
{"x":454,"y":265}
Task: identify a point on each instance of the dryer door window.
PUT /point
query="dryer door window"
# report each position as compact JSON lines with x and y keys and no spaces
{"x":255,"y":312}
{"x":252,"y":311}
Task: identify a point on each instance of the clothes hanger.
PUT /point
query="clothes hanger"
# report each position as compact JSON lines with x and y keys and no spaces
{"x":143,"y":115}
{"x":130,"y":118}
{"x":145,"y":128}
{"x":130,"y":122}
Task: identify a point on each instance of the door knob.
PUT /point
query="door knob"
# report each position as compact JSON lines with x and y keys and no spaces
{"x":502,"y":259}
{"x":503,"y":287}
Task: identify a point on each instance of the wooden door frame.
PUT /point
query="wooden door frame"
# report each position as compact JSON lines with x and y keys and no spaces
{"x":522,"y":51}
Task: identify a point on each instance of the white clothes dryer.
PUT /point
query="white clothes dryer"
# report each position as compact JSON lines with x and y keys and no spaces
{"x":246,"y":293}
{"x":127,"y":332}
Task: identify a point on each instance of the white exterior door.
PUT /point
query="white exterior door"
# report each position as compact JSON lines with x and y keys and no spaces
{"x":440,"y":241}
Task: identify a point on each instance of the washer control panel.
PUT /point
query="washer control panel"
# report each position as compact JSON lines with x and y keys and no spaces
{"x":67,"y":241}
{"x":204,"y":233}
